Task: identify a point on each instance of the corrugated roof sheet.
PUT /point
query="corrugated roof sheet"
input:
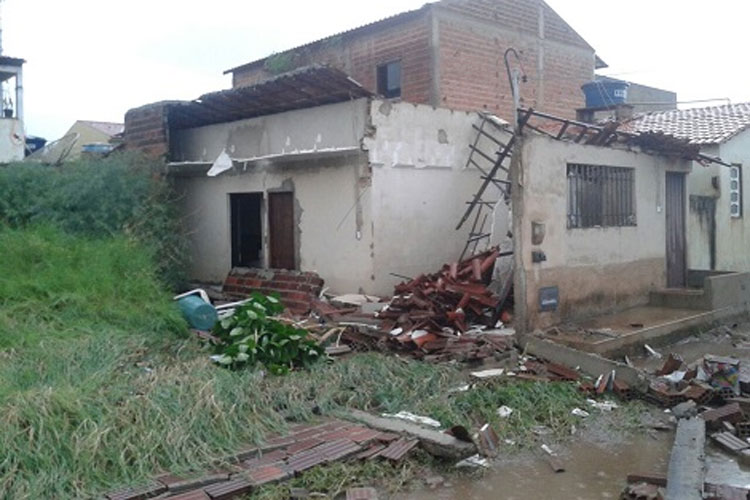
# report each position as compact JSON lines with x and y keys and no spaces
{"x":708,"y":125}
{"x":303,"y":88}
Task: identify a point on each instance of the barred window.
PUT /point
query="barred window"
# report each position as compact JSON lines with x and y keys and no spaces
{"x":600,"y":196}
{"x":735,"y":191}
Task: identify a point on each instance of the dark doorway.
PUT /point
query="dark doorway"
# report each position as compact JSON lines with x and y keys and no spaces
{"x":247,"y":232}
{"x":675,"y":220}
{"x":281,"y":230}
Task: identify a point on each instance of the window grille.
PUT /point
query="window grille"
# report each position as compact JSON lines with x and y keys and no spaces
{"x":735,"y":191}
{"x":600,"y":196}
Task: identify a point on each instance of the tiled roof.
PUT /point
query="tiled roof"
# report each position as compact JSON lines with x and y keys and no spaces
{"x":710,"y":125}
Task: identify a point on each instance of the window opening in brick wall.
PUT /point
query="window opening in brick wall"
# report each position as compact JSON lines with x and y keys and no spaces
{"x":735,"y":191}
{"x":389,"y":79}
{"x":600,"y":196}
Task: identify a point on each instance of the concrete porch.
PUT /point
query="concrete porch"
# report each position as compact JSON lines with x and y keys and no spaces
{"x":669,"y":315}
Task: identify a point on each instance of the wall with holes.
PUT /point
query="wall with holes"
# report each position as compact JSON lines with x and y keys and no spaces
{"x":379,"y":188}
{"x":421,"y":186}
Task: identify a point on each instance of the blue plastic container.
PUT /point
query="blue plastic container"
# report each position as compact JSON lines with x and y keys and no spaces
{"x":200,"y":314}
{"x":605,"y":93}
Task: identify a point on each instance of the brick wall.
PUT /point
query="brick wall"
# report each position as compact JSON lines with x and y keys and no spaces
{"x":360,"y":54}
{"x":472,"y":38}
{"x":146,"y":129}
{"x":472,"y":69}
{"x":297,"y":289}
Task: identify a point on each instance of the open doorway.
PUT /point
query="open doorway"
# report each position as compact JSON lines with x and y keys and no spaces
{"x":247,"y":233}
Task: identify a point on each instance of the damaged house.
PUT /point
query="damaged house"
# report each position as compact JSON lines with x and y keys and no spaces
{"x":347,"y":170}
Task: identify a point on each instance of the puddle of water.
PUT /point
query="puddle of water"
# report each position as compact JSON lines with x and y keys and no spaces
{"x":724,"y":470}
{"x":592,"y":472}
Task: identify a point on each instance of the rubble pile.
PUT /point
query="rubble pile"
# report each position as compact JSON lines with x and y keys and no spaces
{"x":448,"y":315}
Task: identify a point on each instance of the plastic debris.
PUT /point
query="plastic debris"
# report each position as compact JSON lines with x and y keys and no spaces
{"x":485,"y":374}
{"x":417,"y":419}
{"x":474,"y":462}
{"x":651,"y":352}
{"x":504,"y":411}
{"x":580,"y":413}
{"x":603,"y":405}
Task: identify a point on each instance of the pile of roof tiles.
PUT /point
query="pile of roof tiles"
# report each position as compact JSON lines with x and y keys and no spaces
{"x":444,"y":315}
{"x":279,"y":459}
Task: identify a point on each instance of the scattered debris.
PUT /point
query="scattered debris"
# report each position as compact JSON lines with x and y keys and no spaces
{"x":417,"y":419}
{"x":487,"y":441}
{"x":602,"y":405}
{"x":474,"y":462}
{"x":485,"y":374}
{"x":580,"y":413}
{"x":504,"y":411}
{"x":652,"y":352}
{"x":361,"y":494}
{"x":688,"y":409}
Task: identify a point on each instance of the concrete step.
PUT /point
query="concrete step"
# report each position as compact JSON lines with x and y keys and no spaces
{"x":680,"y":298}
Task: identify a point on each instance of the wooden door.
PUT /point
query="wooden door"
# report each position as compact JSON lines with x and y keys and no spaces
{"x":675,"y":220}
{"x":281,"y":230}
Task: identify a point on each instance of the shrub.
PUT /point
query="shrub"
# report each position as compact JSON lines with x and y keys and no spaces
{"x":251,"y":336}
{"x":100,"y":197}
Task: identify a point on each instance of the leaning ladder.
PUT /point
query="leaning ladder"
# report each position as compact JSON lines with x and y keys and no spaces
{"x":494,"y":168}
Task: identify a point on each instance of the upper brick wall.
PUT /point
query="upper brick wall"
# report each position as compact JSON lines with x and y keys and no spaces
{"x":146,"y":129}
{"x":360,"y":54}
{"x":459,"y":43}
{"x":518,"y":15}
{"x":472,"y":70}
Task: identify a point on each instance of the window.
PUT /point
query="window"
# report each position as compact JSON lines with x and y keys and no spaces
{"x":735,"y":191}
{"x":389,"y":79}
{"x":600,"y":196}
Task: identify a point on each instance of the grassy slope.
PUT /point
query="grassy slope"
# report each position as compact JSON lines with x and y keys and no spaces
{"x":97,"y":390}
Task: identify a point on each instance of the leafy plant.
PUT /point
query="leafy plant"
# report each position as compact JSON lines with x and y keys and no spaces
{"x":252,"y":336}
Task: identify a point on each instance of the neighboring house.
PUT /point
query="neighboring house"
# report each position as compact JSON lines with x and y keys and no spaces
{"x":93,"y":135}
{"x":614,"y":99}
{"x":719,"y":220}
{"x":12,"y":135}
{"x":450,"y":54}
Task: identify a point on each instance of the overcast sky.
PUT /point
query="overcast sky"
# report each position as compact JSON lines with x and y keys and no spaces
{"x":94,"y":59}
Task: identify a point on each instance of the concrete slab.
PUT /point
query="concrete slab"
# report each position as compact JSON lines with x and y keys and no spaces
{"x":687,"y":464}
{"x":625,"y":332}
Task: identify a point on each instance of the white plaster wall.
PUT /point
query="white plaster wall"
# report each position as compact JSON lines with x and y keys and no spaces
{"x":594,"y":268}
{"x":420,"y":187}
{"x":335,"y":126}
{"x":12,"y":140}
{"x":334,"y":237}
{"x":733,"y":234}
{"x":699,"y":224}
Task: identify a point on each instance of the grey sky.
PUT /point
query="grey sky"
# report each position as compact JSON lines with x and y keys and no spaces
{"x":94,"y":59}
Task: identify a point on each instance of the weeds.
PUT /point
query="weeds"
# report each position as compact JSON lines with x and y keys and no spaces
{"x":95,"y":198}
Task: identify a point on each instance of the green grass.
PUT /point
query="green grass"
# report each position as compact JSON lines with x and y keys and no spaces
{"x":99,"y":389}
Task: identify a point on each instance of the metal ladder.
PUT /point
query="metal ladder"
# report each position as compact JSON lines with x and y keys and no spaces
{"x":490,"y":155}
